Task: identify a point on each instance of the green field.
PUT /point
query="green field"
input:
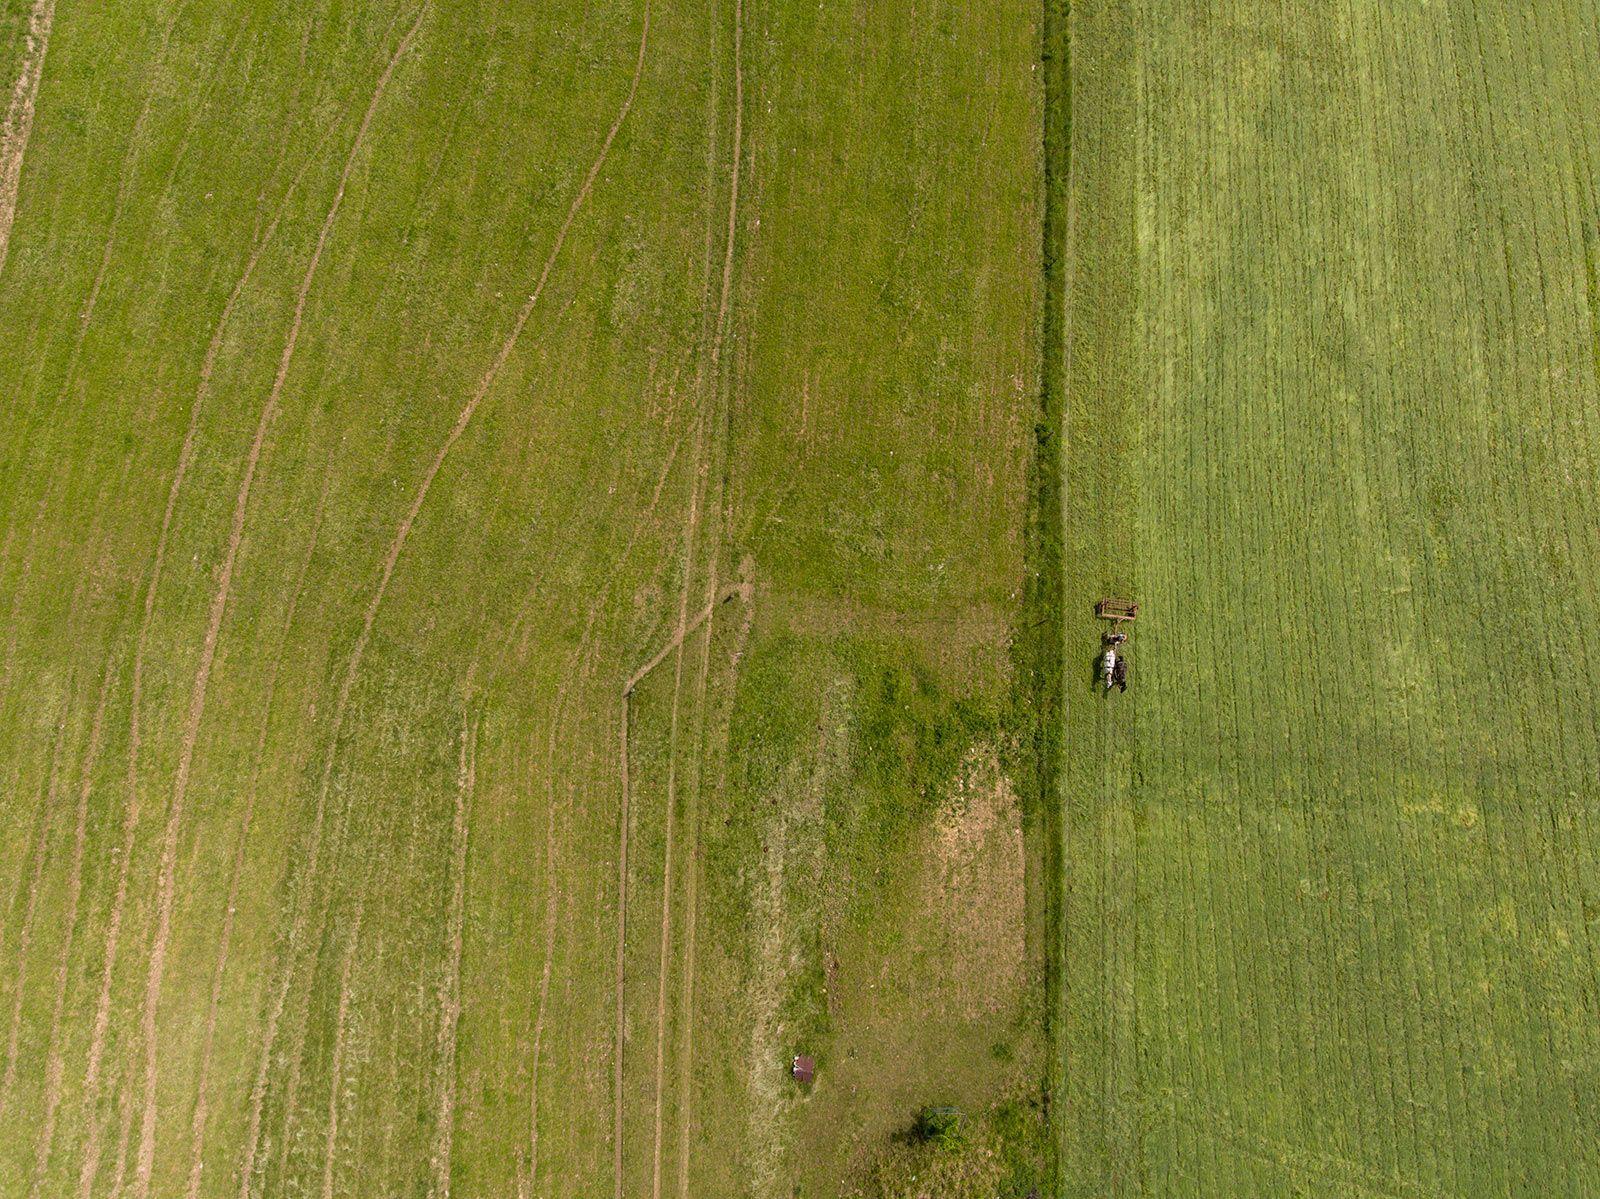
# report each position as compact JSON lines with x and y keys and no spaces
{"x":546,"y":564}
{"x":512,"y":524}
{"x":1332,"y":343}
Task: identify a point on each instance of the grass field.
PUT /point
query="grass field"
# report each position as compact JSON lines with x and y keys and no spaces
{"x":547,"y":554}
{"x":512,"y":535}
{"x":1333,"y":343}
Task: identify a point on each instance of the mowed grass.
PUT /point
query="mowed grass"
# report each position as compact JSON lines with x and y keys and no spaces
{"x":1332,"y":393}
{"x":382,"y":385}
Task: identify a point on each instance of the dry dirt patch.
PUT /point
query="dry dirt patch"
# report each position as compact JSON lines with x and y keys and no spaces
{"x":975,"y":889}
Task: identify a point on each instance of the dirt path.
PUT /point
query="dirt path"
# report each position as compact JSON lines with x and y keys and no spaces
{"x":622,"y":930}
{"x":268,"y":411}
{"x":220,"y":965}
{"x":450,"y":992}
{"x":692,"y":898}
{"x":718,"y":447}
{"x":552,"y":890}
{"x":69,"y":920}
{"x":706,"y":446}
{"x":688,"y":630}
{"x":219,"y":604}
{"x":91,"y":1090}
{"x":18,"y":122}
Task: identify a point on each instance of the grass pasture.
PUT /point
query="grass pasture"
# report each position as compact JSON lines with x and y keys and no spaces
{"x":1332,"y":382}
{"x":546,"y":558}
{"x":511,"y":543}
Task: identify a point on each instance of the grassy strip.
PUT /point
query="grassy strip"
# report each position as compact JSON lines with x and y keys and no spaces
{"x":1037,"y":715}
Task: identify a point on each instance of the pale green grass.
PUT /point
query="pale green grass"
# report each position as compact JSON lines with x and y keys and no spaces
{"x":1332,"y":400}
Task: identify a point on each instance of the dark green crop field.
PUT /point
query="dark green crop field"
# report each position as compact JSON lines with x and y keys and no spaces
{"x":547,"y":556}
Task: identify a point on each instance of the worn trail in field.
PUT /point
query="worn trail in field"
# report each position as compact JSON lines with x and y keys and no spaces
{"x":18,"y":123}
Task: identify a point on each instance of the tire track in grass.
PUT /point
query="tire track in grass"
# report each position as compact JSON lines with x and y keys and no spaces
{"x":41,"y":846}
{"x":336,"y":1069}
{"x":19,"y":116}
{"x":391,"y":558}
{"x":552,"y":890}
{"x":131,"y":816}
{"x":130,"y":166}
{"x":625,"y":805}
{"x":55,"y":1064}
{"x":675,"y":645}
{"x":744,"y":589}
{"x":450,"y":992}
{"x":224,"y":940}
{"x":746,"y":593}
{"x":197,"y":695}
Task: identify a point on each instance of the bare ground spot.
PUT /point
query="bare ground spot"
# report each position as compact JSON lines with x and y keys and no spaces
{"x":978,"y":888}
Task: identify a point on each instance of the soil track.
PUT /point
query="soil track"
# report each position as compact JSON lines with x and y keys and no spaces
{"x":19,"y":116}
{"x":131,"y":816}
{"x":709,"y":425}
{"x":336,"y":1068}
{"x":552,"y":891}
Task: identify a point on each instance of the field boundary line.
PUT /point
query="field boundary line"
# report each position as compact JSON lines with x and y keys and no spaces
{"x":197,"y":696}
{"x":56,"y":1063}
{"x":18,"y":124}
